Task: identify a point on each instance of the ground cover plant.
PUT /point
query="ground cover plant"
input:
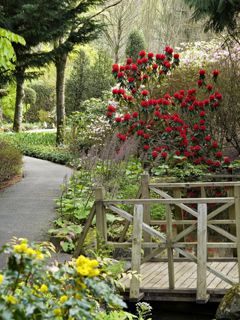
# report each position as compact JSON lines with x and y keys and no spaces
{"x":41,"y":145}
{"x":10,"y":161}
{"x":81,"y":289}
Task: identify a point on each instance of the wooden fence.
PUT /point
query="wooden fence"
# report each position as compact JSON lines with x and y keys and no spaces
{"x":145,"y":233}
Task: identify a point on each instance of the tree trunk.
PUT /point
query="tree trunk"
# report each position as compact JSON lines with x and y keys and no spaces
{"x":60,"y":97}
{"x":19,"y":102}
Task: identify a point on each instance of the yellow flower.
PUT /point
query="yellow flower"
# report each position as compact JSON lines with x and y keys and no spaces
{"x":30,"y":252}
{"x":11,"y":299}
{"x":57,"y":312}
{"x":39,"y":255}
{"x":63,"y":299}
{"x":86,"y":267}
{"x":43,"y":288}
{"x":1,"y":278}
{"x":20,"y":248}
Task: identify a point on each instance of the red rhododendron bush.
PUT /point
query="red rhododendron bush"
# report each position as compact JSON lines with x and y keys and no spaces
{"x":166,"y":127}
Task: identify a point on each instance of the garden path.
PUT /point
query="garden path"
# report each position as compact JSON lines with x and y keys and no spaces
{"x":27,"y":208}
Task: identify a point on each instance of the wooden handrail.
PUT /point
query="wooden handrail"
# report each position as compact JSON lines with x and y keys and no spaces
{"x":194,"y":184}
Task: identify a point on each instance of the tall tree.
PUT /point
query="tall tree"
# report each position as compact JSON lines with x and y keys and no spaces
{"x":37,"y":22}
{"x":119,"y":21}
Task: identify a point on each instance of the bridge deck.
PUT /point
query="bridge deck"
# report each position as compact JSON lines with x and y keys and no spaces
{"x":154,"y":280}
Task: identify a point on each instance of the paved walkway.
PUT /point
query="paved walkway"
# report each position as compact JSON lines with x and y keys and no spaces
{"x":27,"y":208}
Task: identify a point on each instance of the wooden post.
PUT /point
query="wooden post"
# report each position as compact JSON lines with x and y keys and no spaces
{"x":169,"y":247}
{"x":101,"y":223}
{"x":237,"y":213}
{"x":232,"y":216}
{"x":136,"y":251}
{"x":145,"y":194}
{"x":202,"y":296}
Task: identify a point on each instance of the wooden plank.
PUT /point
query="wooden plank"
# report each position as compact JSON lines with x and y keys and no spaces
{"x":220,"y":209}
{"x":82,"y":237}
{"x":181,"y":205}
{"x":169,"y":201}
{"x":231,"y":214}
{"x":190,"y":274}
{"x":177,"y":222}
{"x":202,"y":295}
{"x":169,"y":247}
{"x":136,"y":251}
{"x":150,"y":278}
{"x":237,"y":213}
{"x":223,"y":221}
{"x":101,"y":222}
{"x":223,"y":233}
{"x":225,"y":270}
{"x":194,"y":184}
{"x":126,"y":245}
{"x":217,"y":271}
{"x":210,"y":275}
{"x":221,"y":275}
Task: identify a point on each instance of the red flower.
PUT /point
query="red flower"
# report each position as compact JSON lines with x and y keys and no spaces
{"x":131,"y":79}
{"x":202,"y":121}
{"x":200,"y":82}
{"x":217,"y":164}
{"x":167,"y":64}
{"x":207,"y":138}
{"x":157,"y":114}
{"x":140,"y":132}
{"x":144,"y":104}
{"x":209,"y":87}
{"x":202,"y":114}
{"x":129,"y":60}
{"x":164,"y":154}
{"x":214,"y":144}
{"x":146,"y":136}
{"x":111,"y":108}
{"x":154,"y":154}
{"x":121,"y":91}
{"x":115,"y":68}
{"x":122,"y":68}
{"x":160,"y":56}
{"x":202,"y":72}
{"x":145,"y":92}
{"x":115,"y":91}
{"x":195,"y":127}
{"x":118,"y":119}
{"x":168,"y":129}
{"x":177,"y":153}
{"x":169,"y":50}
{"x":150,"y":55}
{"x":127,"y":117}
{"x":135,"y":114}
{"x":146,"y":147}
{"x":176,"y":56}
{"x":142,"y":53}
{"x":218,"y":154}
{"x":144,"y":60}
{"x":109,"y":114}
{"x":120,"y":75}
{"x":122,"y":137}
{"x":134,"y":67}
{"x":203,"y":128}
{"x":215,"y":73}
{"x":154,"y":66}
{"x":218,"y":95}
{"x":226,"y":160}
{"x":134,"y":90}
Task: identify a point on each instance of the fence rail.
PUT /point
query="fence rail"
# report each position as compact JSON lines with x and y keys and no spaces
{"x":145,"y":235}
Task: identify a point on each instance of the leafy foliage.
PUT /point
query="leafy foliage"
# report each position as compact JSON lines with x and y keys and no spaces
{"x":88,"y":79}
{"x":30,"y":289}
{"x":10,"y":161}
{"x":40,"y":145}
{"x":8,"y":56}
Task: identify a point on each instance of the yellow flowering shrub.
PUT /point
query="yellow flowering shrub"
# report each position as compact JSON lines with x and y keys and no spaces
{"x":31,"y":289}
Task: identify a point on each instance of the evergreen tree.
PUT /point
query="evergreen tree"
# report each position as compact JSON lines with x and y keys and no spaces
{"x":135,"y":43}
{"x":219,"y":14}
{"x":37,"y":22}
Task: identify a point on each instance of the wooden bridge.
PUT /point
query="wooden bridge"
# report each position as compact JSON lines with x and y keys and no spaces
{"x":174,"y":265}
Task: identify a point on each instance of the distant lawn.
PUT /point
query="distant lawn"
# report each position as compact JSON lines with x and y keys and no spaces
{"x":39,"y":145}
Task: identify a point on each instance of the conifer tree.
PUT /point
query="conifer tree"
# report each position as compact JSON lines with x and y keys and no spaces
{"x":135,"y":44}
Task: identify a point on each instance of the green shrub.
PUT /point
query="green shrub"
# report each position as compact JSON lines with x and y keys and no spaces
{"x":82,"y":289}
{"x":39,"y":145}
{"x":135,"y":44}
{"x":10,"y":161}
